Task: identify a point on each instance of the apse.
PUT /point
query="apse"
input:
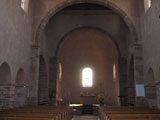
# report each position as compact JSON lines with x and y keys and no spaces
{"x":89,"y":63}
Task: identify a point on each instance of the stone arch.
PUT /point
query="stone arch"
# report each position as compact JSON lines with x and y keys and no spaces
{"x":43,"y":82}
{"x":66,"y":3}
{"x":20,"y":77}
{"x":43,"y":22}
{"x":150,"y":88}
{"x":131,"y":83}
{"x":5,"y":85}
{"x":20,"y":89}
{"x":5,"y":73}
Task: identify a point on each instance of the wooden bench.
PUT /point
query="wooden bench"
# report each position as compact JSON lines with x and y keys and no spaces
{"x":128,"y":113}
{"x":37,"y":113}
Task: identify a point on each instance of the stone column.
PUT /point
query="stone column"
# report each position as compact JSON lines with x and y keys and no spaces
{"x":138,"y":70}
{"x":123,"y":80}
{"x":34,"y":76}
{"x":131,"y":82}
{"x":52,"y":80}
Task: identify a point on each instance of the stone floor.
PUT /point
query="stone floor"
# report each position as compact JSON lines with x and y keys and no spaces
{"x":85,"y":117}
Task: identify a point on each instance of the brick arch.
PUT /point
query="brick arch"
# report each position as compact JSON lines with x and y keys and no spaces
{"x":66,"y":3}
{"x":89,"y":27}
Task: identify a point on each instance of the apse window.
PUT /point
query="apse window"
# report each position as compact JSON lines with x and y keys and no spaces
{"x":114,"y":72}
{"x":60,"y":71}
{"x":87,"y":77}
{"x":24,"y":5}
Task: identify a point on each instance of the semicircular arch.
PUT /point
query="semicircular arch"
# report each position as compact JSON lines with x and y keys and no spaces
{"x":5,"y":73}
{"x":67,"y":3}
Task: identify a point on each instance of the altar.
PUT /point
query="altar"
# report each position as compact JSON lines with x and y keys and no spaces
{"x":88,"y":100}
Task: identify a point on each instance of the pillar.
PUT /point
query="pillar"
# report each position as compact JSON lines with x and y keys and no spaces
{"x":138,"y":70}
{"x":34,"y":76}
{"x":123,"y":80}
{"x":52,"y":80}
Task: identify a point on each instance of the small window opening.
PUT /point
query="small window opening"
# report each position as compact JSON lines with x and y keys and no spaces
{"x":24,"y":5}
{"x":60,"y":71}
{"x":147,"y":4}
{"x":114,"y":72}
{"x":87,"y":77}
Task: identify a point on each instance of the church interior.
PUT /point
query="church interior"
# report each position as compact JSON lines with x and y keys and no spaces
{"x":79,"y":60}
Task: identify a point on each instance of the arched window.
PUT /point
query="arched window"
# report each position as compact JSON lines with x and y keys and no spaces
{"x":114,"y":72}
{"x":87,"y":77}
{"x":147,"y":4}
{"x":24,"y":5}
{"x":60,"y":71}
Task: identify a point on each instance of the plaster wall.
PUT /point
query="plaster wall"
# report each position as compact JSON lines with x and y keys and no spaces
{"x":15,"y":41}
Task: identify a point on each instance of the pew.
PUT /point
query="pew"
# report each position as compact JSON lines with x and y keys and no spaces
{"x":128,"y":113}
{"x":37,"y":113}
